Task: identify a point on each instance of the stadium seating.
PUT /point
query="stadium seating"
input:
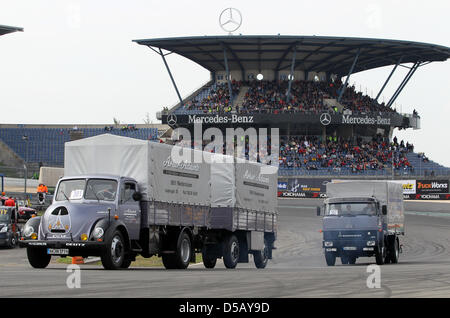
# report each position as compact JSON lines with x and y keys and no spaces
{"x":46,"y":145}
{"x":271,"y":97}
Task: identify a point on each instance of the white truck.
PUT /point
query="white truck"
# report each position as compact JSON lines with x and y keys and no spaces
{"x":362,"y":218}
{"x":122,"y":197}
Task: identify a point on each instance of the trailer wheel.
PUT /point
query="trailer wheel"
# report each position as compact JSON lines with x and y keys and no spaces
{"x":231,"y":251}
{"x":114,"y":254}
{"x":261,"y":258}
{"x":38,"y":257}
{"x":208,"y":260}
{"x":330,"y":258}
{"x":181,"y":257}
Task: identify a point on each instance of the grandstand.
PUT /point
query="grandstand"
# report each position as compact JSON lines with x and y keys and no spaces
{"x":293,"y":83}
{"x":284,"y":82}
{"x":44,"y":144}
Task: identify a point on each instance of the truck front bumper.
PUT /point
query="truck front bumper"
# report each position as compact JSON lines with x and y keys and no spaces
{"x":351,"y":248}
{"x":76,"y":248}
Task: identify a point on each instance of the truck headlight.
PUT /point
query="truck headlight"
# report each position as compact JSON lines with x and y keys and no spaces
{"x":328,"y":244}
{"x":4,"y":229}
{"x":370,"y":243}
{"x":28,"y":231}
{"x":98,"y":233}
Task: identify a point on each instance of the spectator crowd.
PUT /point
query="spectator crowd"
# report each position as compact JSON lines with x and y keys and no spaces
{"x":272,"y":97}
{"x":335,"y":154}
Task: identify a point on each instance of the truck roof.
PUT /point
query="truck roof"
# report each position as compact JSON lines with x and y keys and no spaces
{"x":97,"y":176}
{"x":350,"y":199}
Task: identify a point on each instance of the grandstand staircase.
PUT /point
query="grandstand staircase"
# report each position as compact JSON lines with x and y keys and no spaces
{"x":240,"y":97}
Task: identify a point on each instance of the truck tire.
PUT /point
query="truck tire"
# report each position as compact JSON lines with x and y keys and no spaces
{"x":38,"y":257}
{"x":114,"y":254}
{"x":380,"y":255}
{"x":344,"y":259}
{"x":352,"y":260}
{"x":208,"y":260}
{"x":394,"y":252}
{"x":125,"y":264}
{"x":330,"y":258}
{"x":231,"y":251}
{"x":261,"y":258}
{"x":181,"y":257}
{"x":12,"y":242}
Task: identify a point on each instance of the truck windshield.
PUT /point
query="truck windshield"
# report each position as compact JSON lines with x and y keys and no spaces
{"x":348,"y":208}
{"x":4,"y":216}
{"x":70,"y":190}
{"x":93,"y":189}
{"x":101,"y":189}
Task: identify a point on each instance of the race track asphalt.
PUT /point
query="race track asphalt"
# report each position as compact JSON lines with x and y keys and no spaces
{"x":297,"y":270}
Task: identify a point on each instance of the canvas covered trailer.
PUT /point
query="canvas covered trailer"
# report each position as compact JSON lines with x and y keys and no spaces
{"x":219,"y":192}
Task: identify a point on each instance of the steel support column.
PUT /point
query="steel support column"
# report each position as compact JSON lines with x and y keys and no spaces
{"x":389,"y":77}
{"x":291,"y":75}
{"x":403,"y":84}
{"x":225,"y":58}
{"x":171,"y":77}
{"x":348,"y":76}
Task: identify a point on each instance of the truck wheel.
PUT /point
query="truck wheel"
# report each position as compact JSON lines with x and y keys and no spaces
{"x":38,"y":257}
{"x":380,"y":255}
{"x":330,"y":258}
{"x":394,"y":252}
{"x":179,"y":259}
{"x":231,"y":251}
{"x":352,"y":260}
{"x":208,"y":260}
{"x":12,"y":242}
{"x":114,"y":254}
{"x":125,"y":264}
{"x":261,"y":258}
{"x":344,"y":259}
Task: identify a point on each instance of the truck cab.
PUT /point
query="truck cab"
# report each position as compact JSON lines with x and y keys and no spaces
{"x":9,"y":229}
{"x":81,"y":221}
{"x":352,"y":227}
{"x":362,"y":219}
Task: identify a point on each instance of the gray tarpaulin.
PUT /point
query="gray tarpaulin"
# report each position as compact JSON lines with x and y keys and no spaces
{"x":216,"y":183}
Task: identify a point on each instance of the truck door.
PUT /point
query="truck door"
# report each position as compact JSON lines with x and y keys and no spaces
{"x":129,"y":211}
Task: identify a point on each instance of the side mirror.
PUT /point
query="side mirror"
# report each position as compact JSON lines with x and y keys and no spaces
{"x":137,"y":196}
{"x":384,"y":210}
{"x":318,"y":211}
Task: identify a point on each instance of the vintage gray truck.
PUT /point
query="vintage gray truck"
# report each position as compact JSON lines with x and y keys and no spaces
{"x":362,"y":219}
{"x":122,"y":197}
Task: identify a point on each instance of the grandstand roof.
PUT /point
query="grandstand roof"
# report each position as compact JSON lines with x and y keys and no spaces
{"x":4,"y":29}
{"x":314,"y":53}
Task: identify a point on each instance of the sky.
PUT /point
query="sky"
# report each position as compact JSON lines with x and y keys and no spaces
{"x":75,"y":62}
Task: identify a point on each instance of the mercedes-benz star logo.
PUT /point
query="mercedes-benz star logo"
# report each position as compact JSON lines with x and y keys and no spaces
{"x":325,"y":119}
{"x":230,"y":19}
{"x":171,"y":119}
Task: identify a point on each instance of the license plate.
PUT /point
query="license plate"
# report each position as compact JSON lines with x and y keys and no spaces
{"x":350,"y":248}
{"x":57,"y":251}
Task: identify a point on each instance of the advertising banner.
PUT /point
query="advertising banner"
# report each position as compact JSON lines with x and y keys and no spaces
{"x":431,"y":186}
{"x":409,"y":186}
{"x":431,"y":196}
